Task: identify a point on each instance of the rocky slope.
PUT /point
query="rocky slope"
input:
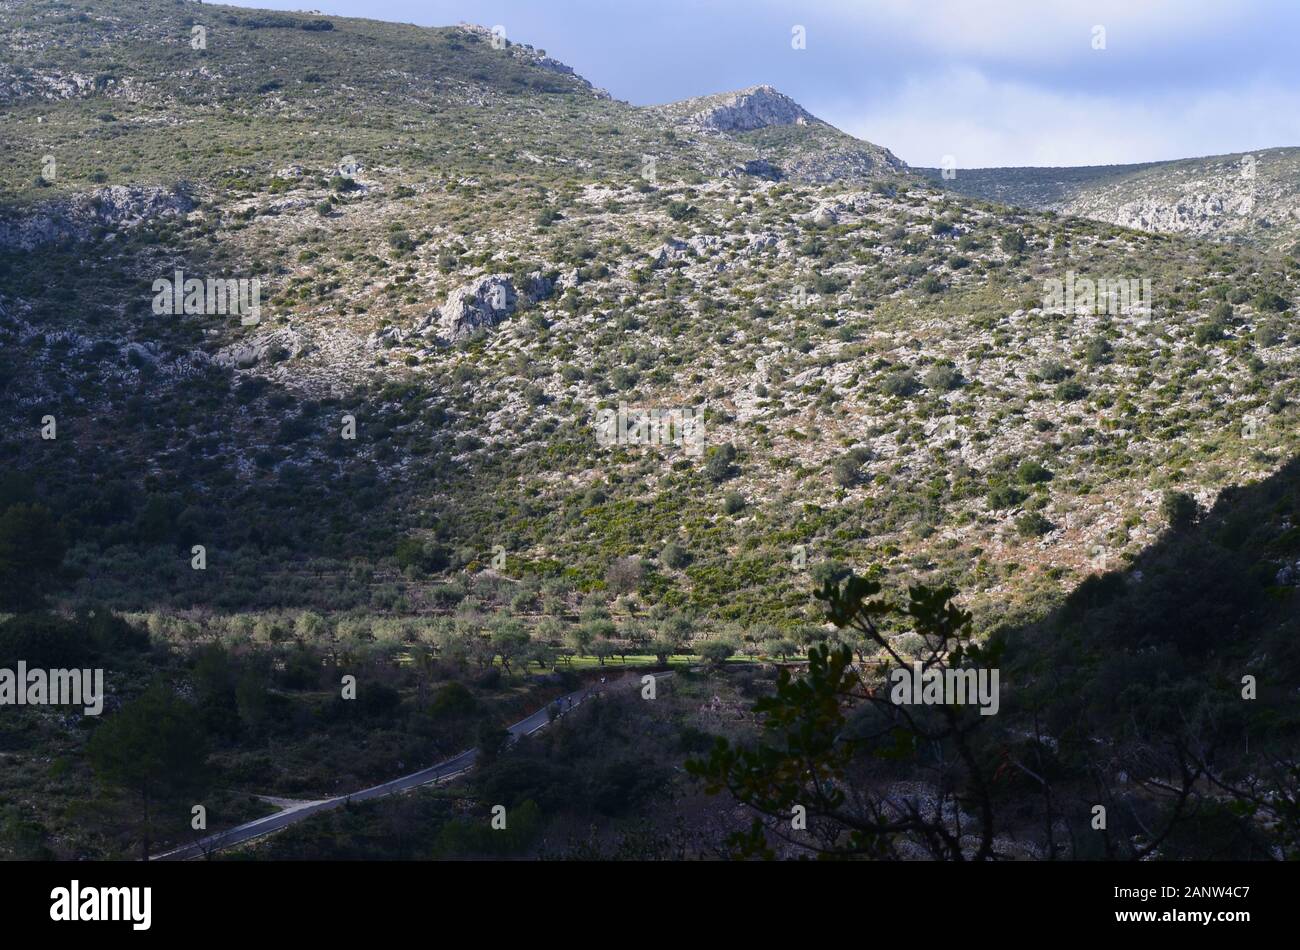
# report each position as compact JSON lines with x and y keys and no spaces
{"x":786,"y":140}
{"x":483,"y":263}
{"x":745,"y":110}
{"x":1252,"y":197}
{"x":449,"y":448}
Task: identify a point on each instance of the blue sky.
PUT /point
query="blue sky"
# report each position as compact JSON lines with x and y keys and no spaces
{"x":988,"y":82}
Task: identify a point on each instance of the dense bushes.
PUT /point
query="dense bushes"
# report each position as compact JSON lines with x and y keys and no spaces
{"x":50,"y":641}
{"x":1179,"y":510}
{"x":31,"y":552}
{"x":44,"y":640}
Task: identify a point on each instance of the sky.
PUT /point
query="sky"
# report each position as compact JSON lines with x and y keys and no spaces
{"x":980,"y":83}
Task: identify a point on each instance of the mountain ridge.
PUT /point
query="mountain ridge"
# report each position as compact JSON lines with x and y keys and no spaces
{"x":1238,"y":196}
{"x":421,"y":457}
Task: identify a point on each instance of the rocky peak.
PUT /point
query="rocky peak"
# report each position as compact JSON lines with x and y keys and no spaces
{"x":533,"y":56}
{"x":757,"y":107}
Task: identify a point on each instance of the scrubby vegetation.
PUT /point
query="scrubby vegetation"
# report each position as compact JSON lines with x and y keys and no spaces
{"x":397,"y":475}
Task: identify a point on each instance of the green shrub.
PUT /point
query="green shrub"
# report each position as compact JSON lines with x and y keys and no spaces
{"x":44,"y":641}
{"x":1032,"y":524}
{"x":1005,"y":496}
{"x":1031,"y":472}
{"x":721,"y":463}
{"x":681,"y":211}
{"x":942,"y":378}
{"x":674,"y":556}
{"x":1071,"y":391}
{"x":1267,"y":301}
{"x":1179,"y":510}
{"x":901,"y":384}
{"x":715,"y":652}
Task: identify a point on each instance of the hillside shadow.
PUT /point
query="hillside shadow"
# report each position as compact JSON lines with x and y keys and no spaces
{"x":1159,"y":648}
{"x":157,"y":451}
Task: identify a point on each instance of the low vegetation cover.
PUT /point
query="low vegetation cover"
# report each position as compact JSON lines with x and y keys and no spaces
{"x":354,"y":410}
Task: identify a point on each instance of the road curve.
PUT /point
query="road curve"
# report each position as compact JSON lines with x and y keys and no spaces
{"x":442,"y":771}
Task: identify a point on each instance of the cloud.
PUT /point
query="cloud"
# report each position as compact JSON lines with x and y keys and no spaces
{"x":1006,"y":82}
{"x":1038,"y":30}
{"x":983,"y":121}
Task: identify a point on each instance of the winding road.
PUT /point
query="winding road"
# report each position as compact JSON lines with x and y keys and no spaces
{"x":443,"y":771}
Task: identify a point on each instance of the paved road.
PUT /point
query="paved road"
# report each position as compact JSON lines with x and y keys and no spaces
{"x":441,"y":772}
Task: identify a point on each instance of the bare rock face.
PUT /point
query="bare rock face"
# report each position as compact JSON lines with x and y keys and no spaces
{"x":1201,"y":214}
{"x":482,"y":303}
{"x":22,"y":83}
{"x":817,"y":152}
{"x":274,"y":346}
{"x":74,"y":218}
{"x":755,"y":108}
{"x":758,"y":168}
{"x":1251,"y":197}
{"x":671,"y":250}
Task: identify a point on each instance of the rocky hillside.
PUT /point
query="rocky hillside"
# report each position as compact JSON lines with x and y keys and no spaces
{"x":331,"y":347}
{"x":153,"y":93}
{"x":786,"y":140}
{"x":758,"y":107}
{"x":1251,"y":197}
{"x":464,"y":255}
